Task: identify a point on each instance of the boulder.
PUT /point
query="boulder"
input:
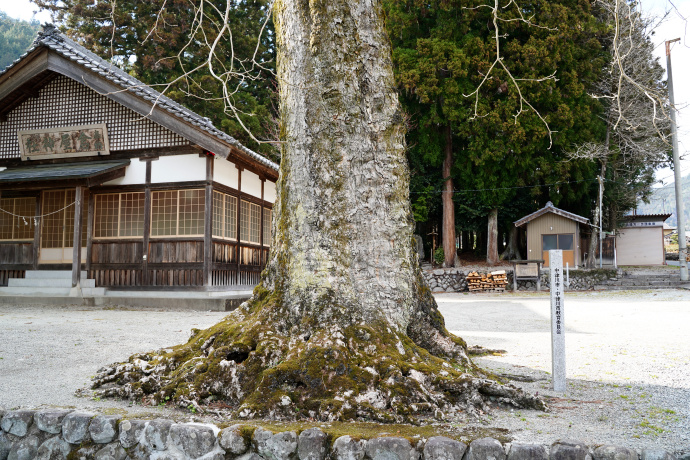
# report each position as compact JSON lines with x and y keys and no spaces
{"x":26,"y":448}
{"x":232,"y":441}
{"x":193,"y":440}
{"x":656,"y":454}
{"x":103,"y":428}
{"x":280,"y":446}
{"x":131,"y":432}
{"x":614,"y":453}
{"x":346,"y":448}
{"x":485,"y":449}
{"x":50,"y":421}
{"x":17,"y":422}
{"x":54,"y":448}
{"x":75,"y":427}
{"x":312,"y":444}
{"x":112,"y":451}
{"x":390,"y":449}
{"x":442,"y":448}
{"x":156,"y":434}
{"x":525,"y":451}
{"x":569,"y":450}
{"x":6,"y":441}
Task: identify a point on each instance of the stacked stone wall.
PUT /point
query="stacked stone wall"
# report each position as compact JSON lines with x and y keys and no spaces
{"x":454,"y":279}
{"x":64,"y":434}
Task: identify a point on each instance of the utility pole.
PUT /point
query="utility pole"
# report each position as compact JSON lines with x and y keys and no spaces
{"x":682,"y":244}
{"x":601,"y":212}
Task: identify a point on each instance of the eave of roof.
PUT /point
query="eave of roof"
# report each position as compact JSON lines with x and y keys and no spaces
{"x":51,"y":38}
{"x":659,"y":217}
{"x":550,"y":208}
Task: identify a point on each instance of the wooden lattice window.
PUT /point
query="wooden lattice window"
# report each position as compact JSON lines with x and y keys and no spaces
{"x":17,"y":219}
{"x":224,"y":216}
{"x":267,"y":226}
{"x":177,"y":213}
{"x":250,"y":222}
{"x":119,"y":215}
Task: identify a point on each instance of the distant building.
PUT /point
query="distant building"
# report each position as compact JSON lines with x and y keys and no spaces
{"x":641,"y":240}
{"x":161,"y":197}
{"x":553,"y":228}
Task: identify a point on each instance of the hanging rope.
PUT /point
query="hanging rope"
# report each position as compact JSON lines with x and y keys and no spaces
{"x":35,"y":218}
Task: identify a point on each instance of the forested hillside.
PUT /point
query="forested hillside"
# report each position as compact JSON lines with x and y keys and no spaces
{"x":663,"y":200}
{"x":15,"y":37}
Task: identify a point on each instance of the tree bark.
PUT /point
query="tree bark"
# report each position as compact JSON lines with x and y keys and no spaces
{"x":449,"y":249}
{"x":492,"y":238}
{"x":342,"y":325}
{"x":512,"y":251}
{"x":594,"y":240}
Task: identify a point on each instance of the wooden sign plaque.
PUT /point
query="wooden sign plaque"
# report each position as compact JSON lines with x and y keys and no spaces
{"x":67,"y":142}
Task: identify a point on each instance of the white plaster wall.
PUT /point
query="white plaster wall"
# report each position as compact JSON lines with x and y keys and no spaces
{"x":178,"y":168}
{"x":225,"y":172}
{"x":270,"y":191}
{"x":135,"y":173}
{"x":251,"y":184}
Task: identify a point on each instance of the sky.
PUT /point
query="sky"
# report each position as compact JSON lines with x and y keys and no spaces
{"x":677,"y":25}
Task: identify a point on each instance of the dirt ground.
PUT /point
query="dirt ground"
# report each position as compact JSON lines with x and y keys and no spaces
{"x":627,"y":357}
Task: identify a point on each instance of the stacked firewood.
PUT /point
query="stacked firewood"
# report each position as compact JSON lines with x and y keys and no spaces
{"x":494,"y":281}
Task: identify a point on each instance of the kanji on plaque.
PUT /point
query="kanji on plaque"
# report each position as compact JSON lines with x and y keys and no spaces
{"x":70,"y":141}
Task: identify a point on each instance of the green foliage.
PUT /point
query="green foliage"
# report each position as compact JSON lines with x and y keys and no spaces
{"x":439,"y":256}
{"x":166,"y":44}
{"x":443,"y":49}
{"x":15,"y":38}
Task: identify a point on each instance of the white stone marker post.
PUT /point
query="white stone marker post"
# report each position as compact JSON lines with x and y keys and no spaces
{"x":557,"y":324}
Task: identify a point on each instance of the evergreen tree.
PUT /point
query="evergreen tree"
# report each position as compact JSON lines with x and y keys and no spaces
{"x":443,"y":50}
{"x":15,"y":38}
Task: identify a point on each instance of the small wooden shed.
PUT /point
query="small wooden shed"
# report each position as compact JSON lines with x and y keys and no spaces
{"x":641,"y":240}
{"x":553,"y":228}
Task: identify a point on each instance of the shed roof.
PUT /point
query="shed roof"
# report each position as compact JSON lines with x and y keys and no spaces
{"x":646,"y":217}
{"x":550,"y":208}
{"x":49,"y":37}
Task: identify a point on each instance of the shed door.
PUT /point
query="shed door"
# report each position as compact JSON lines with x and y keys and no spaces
{"x":563,"y":242}
{"x":640,"y":246}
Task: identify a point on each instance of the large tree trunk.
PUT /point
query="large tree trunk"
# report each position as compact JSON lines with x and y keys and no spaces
{"x":342,"y":325}
{"x":512,"y":251}
{"x":449,"y":250}
{"x":492,"y":238}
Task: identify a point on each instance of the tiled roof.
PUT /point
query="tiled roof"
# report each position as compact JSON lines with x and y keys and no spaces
{"x":51,"y":38}
{"x":59,"y":171}
{"x":552,"y":209}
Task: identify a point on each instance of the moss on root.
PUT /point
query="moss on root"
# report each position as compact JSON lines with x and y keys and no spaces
{"x":264,"y":367}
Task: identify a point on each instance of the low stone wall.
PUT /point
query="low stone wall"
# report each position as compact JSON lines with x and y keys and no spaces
{"x":63,"y":434}
{"x":453,"y":279}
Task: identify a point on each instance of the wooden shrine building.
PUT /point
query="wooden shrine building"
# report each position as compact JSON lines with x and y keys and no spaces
{"x":99,"y":172}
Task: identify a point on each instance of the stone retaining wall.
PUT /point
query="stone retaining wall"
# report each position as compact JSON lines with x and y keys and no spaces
{"x":64,"y":434}
{"x":453,"y":279}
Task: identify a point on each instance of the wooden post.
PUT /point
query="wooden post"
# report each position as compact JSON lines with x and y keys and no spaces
{"x":89,"y":231}
{"x":147,"y":227}
{"x":37,"y":231}
{"x":261,"y":223}
{"x":239,"y":215}
{"x":76,"y":241}
{"x":208,"y":222}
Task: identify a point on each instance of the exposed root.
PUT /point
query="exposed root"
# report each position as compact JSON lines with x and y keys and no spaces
{"x":346,"y":370}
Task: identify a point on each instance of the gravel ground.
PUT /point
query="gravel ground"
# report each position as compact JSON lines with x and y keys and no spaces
{"x":628,"y":359}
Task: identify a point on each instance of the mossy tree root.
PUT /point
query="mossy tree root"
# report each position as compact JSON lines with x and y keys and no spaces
{"x":264,"y":367}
